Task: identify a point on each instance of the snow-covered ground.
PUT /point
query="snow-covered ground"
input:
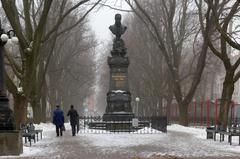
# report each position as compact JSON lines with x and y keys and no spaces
{"x":187,"y":142}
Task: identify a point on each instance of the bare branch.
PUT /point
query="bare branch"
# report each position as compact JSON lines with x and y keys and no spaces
{"x":114,"y":8}
{"x":80,"y":20}
{"x":60,"y":19}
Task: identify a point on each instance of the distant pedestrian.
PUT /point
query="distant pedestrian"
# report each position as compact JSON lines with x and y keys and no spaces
{"x":74,"y":117}
{"x":58,"y":120}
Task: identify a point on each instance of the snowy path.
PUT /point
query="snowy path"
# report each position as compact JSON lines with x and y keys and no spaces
{"x":179,"y":141}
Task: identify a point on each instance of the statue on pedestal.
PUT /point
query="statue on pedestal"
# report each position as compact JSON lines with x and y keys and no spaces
{"x":118,"y":29}
{"x":118,"y":97}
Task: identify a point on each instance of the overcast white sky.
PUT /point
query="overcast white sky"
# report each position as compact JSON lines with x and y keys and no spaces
{"x":102,"y":18}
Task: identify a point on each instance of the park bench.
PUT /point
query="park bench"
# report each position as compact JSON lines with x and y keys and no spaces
{"x":29,"y":132}
{"x":36,"y":131}
{"x":213,"y":130}
{"x":233,"y":130}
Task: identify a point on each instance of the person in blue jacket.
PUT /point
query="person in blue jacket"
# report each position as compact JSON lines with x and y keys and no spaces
{"x":58,"y":120}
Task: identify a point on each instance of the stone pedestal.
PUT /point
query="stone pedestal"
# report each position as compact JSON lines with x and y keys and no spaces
{"x":118,"y":106}
{"x":118,"y":116}
{"x":6,"y":114}
{"x":118,"y":98}
{"x":10,"y":142}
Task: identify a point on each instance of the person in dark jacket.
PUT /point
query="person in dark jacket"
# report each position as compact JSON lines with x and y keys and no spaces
{"x":58,"y":120}
{"x":74,"y":117}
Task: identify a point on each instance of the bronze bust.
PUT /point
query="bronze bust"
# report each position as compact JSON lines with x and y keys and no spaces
{"x":118,"y":29}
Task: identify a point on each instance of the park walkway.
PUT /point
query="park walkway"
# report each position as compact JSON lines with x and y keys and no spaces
{"x":126,"y":146}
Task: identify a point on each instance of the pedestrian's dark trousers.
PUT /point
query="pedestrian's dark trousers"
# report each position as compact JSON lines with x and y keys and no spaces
{"x":59,"y":130}
{"x":73,"y":129}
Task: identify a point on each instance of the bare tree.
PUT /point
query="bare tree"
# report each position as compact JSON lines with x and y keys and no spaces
{"x":147,"y":70}
{"x":220,"y":14}
{"x":177,"y":28}
{"x":29,"y":19}
{"x":73,"y":76}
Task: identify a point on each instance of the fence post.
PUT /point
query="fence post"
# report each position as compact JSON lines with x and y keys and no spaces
{"x":170,"y":111}
{"x":176,"y":111}
{"x":195,"y":112}
{"x":189,"y":112}
{"x":208,"y":106}
{"x":233,"y":110}
{"x":216,"y":111}
{"x":201,"y":116}
{"x":84,"y":122}
{"x":130,"y":125}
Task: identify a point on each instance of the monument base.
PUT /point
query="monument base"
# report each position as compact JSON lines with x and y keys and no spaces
{"x":118,"y":121}
{"x":10,"y":142}
{"x":118,"y":116}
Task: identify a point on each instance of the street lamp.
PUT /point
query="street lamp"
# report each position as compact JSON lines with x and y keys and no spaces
{"x":137,"y":99}
{"x":6,"y":117}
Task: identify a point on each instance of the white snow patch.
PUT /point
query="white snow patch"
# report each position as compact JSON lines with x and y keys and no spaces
{"x":146,"y":130}
{"x":43,"y":147}
{"x":178,"y":141}
{"x":121,"y":140}
{"x":200,"y":135}
{"x":118,"y":91}
{"x":198,"y":132}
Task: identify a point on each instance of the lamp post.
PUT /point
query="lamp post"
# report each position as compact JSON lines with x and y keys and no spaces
{"x":6,"y":118}
{"x":137,"y":99}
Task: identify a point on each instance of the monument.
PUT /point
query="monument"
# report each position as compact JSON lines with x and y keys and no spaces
{"x":118,"y":116}
{"x":118,"y":97}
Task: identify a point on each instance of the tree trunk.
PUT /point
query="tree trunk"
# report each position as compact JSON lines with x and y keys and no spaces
{"x":183,"y":114}
{"x":37,"y":111}
{"x":44,"y":101}
{"x":44,"y":107}
{"x":168,"y":108}
{"x":226,"y":99}
{"x":20,"y":110}
{"x":53,"y":107}
{"x":224,"y":111}
{"x":160,"y":106}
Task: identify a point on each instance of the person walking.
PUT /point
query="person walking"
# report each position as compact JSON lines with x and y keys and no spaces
{"x":58,"y":120}
{"x":74,"y":117}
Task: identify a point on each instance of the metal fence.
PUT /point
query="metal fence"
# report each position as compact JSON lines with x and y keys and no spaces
{"x":204,"y":113}
{"x":138,"y":125}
